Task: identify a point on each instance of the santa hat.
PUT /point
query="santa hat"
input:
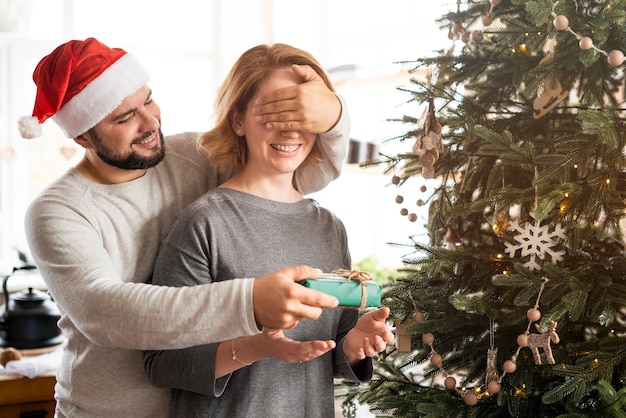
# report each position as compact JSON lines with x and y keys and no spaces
{"x":79,"y":84}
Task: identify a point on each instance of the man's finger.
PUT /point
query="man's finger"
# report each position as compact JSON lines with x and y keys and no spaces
{"x":302,"y":272}
{"x":312,"y":299}
{"x":306,"y":72}
{"x":276,"y":100}
{"x":271,"y":103}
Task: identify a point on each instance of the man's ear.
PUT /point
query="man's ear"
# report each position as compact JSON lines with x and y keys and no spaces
{"x":84,"y":140}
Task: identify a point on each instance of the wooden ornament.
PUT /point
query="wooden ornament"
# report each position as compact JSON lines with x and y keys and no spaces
{"x":403,"y":340}
{"x":429,"y":143}
{"x":542,"y":341}
{"x":493,"y":387}
{"x":470,"y":398}
{"x":549,"y":95}
{"x":491,"y":374}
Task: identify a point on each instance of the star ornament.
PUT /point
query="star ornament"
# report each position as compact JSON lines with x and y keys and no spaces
{"x":534,"y":241}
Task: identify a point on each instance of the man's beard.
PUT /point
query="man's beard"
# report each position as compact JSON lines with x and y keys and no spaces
{"x":130,"y":161}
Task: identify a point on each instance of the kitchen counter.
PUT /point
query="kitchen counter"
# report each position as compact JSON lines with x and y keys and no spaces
{"x":22,"y":397}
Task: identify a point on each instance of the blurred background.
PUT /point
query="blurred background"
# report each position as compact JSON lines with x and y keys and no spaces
{"x":188,"y":46}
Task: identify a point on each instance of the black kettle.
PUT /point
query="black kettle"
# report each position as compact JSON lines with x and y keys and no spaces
{"x":30,"y":318}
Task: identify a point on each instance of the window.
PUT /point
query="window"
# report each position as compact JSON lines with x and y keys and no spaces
{"x":188,"y":46}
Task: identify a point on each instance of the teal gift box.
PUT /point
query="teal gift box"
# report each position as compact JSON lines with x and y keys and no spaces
{"x":354,"y":289}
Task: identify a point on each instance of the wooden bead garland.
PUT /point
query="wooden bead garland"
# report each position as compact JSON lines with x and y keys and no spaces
{"x":615,"y":58}
{"x":471,"y":397}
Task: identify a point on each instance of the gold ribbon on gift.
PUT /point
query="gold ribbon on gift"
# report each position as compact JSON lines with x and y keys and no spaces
{"x":360,"y":276}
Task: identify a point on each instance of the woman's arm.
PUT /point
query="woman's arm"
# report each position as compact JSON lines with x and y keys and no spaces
{"x":206,"y":369}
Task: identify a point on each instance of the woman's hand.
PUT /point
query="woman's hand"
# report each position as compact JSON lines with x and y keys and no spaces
{"x":369,"y":336}
{"x":274,"y":344}
{"x":271,"y":343}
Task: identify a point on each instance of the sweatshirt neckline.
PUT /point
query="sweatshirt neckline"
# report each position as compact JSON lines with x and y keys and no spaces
{"x":93,"y":185}
{"x":292,"y":208}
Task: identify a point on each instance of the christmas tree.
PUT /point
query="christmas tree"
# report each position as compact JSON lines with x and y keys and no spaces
{"x":516,"y":304}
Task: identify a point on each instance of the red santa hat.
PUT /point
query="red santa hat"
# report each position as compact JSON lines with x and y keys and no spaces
{"x":79,"y":84}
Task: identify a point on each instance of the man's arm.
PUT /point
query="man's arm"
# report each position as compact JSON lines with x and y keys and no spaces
{"x":94,"y":298}
{"x":333,"y":146}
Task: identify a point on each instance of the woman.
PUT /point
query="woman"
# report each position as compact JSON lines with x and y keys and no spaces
{"x":259,"y":215}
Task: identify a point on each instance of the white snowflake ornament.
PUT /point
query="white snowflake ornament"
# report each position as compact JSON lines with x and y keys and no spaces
{"x":535,"y":240}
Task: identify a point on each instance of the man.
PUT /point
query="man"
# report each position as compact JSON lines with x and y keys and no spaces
{"x":95,"y":232}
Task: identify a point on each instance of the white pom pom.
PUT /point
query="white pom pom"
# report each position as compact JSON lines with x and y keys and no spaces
{"x":29,"y":127}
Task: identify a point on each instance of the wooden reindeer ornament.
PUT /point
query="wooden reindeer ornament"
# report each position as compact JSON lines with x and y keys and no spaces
{"x":537,"y":341}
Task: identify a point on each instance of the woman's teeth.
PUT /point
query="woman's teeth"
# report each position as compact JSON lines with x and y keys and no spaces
{"x":285,"y":148}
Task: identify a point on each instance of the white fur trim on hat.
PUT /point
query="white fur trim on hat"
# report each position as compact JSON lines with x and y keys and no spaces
{"x":101,"y":96}
{"x":29,"y":127}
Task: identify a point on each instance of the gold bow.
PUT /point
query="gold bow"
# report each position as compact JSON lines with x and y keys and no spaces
{"x":359,"y":276}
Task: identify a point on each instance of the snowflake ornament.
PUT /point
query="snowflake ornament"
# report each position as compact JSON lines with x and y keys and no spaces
{"x":535,"y":240}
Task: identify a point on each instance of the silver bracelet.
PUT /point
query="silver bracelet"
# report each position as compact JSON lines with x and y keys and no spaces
{"x":232,"y":350}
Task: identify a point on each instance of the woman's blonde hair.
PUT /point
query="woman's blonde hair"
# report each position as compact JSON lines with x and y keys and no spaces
{"x":225,"y":149}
